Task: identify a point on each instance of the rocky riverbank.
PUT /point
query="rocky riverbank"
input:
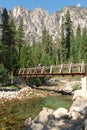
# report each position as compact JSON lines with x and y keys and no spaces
{"x":62,"y":119}
{"x":48,"y":119}
{"x":53,"y":87}
{"x":25,"y":92}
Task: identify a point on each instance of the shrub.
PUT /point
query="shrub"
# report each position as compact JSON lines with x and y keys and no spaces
{"x":4,"y":77}
{"x":76,"y":86}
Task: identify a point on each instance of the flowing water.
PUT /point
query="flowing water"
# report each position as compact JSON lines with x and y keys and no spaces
{"x":13,"y":113}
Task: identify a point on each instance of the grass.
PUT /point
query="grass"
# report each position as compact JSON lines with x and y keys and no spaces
{"x":15,"y":112}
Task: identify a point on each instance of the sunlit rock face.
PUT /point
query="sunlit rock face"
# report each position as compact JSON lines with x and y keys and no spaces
{"x":36,"y":20}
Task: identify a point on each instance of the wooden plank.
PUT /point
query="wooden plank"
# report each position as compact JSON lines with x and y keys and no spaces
{"x":54,"y":74}
{"x":61,"y":69}
{"x":43,"y":70}
{"x":82,"y":67}
{"x":51,"y":69}
{"x":70,"y":68}
{"x":23,"y":71}
{"x":19,"y":72}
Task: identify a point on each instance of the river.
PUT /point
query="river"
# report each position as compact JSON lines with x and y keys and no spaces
{"x":13,"y":113}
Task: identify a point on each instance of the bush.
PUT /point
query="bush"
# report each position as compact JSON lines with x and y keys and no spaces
{"x":4,"y":77}
{"x":37,"y":81}
{"x":76,"y":86}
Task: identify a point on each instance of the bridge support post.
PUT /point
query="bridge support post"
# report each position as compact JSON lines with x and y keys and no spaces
{"x":84,"y":83}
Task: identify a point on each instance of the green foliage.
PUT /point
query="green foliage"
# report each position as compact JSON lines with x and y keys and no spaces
{"x":65,"y":40}
{"x":5,"y":28}
{"x":9,"y":56}
{"x":68,"y":30}
{"x":63,"y":49}
{"x":20,"y":36}
{"x":37,"y":81}
{"x":83,"y":46}
{"x":72,"y":49}
{"x":26,"y":59}
{"x":16,"y":112}
{"x":36,"y":54}
{"x":4,"y":77}
{"x":76,"y":86}
{"x":12,"y":31}
{"x":78,"y":41}
{"x":13,"y":87}
{"x":47,"y":43}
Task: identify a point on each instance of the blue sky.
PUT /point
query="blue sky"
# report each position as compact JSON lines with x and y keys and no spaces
{"x":50,"y":5}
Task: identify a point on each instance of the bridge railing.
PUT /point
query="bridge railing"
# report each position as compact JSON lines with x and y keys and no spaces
{"x":54,"y":69}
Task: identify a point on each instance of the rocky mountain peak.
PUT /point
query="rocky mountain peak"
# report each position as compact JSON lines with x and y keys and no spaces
{"x":35,"y":21}
{"x":20,"y":11}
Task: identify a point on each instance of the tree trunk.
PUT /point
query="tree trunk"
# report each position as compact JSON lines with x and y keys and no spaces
{"x":12,"y":80}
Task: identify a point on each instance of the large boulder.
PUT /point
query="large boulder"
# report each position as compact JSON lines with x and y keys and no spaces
{"x":44,"y":115}
{"x":36,"y":126}
{"x":80,"y":93}
{"x":60,"y":112}
{"x":79,"y":106}
{"x":80,"y":102}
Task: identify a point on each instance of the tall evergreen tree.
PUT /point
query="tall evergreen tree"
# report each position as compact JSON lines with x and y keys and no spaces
{"x":9,"y":56}
{"x":7,"y":41}
{"x":83,"y":46}
{"x":26,"y":59}
{"x":78,"y":41}
{"x":12,"y":31}
{"x":20,"y":36}
{"x":47,"y":41}
{"x":5,"y":29}
{"x":63,"y":49}
{"x":68,"y":29}
{"x":72,"y":48}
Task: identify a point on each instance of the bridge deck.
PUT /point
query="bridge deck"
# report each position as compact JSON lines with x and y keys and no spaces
{"x":57,"y":70}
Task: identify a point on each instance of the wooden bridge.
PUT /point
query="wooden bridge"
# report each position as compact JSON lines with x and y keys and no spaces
{"x":77,"y":69}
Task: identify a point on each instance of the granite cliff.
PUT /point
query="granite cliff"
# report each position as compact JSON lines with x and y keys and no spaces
{"x":35,"y":21}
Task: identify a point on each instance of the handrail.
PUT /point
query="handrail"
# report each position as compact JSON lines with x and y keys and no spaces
{"x":63,"y":69}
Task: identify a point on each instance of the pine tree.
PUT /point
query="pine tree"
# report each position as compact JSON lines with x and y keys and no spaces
{"x":8,"y":42}
{"x":47,"y":44}
{"x":37,"y":53}
{"x":72,"y":48}
{"x":20,"y":36}
{"x":26,"y":59}
{"x":7,"y":39}
{"x":68,"y":29}
{"x":83,"y":46}
{"x":63,"y":49}
{"x":12,"y":31}
{"x":78,"y":41}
